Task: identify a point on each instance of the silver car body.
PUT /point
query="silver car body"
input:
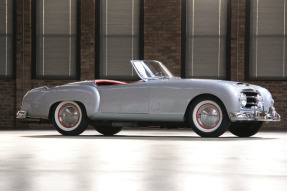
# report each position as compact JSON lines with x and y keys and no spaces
{"x":160,"y":99}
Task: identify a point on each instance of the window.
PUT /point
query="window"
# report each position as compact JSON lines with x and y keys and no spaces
{"x":6,"y":39}
{"x":205,"y":38}
{"x":56,"y":46}
{"x":267,"y":40}
{"x":119,"y":38}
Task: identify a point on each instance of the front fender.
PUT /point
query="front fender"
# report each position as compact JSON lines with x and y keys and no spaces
{"x":226,"y":93}
{"x":267,"y":97}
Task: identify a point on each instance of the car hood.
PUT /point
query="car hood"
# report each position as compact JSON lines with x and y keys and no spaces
{"x":236,"y":85}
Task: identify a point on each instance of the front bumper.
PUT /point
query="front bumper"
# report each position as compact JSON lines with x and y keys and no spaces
{"x":256,"y":115}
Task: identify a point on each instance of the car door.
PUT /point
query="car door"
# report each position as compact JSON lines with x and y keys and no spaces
{"x":128,"y":98}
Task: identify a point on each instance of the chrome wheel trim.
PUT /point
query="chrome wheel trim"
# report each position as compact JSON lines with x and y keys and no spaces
{"x":207,"y":116}
{"x":68,"y":115}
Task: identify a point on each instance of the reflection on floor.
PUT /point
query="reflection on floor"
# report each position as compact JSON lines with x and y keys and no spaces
{"x":143,"y":160}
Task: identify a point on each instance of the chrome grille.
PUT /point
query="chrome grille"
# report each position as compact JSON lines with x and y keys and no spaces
{"x":251,"y":99}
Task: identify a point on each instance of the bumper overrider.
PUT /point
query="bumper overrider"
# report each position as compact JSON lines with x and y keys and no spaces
{"x":21,"y":114}
{"x":256,"y":115}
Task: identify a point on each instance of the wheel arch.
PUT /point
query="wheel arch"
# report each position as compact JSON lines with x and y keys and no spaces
{"x":43,"y":102}
{"x":54,"y":105}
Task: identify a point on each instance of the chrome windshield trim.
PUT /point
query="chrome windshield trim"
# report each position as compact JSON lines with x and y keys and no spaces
{"x":154,"y":73}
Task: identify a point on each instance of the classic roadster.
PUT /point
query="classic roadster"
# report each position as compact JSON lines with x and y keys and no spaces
{"x":209,"y":107}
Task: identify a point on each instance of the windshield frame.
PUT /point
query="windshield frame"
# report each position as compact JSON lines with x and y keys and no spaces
{"x":146,"y":73}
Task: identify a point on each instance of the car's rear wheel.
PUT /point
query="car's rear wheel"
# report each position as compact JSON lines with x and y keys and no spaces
{"x":108,"y":130}
{"x":207,"y":117}
{"x":70,"y":118}
{"x":245,"y":129}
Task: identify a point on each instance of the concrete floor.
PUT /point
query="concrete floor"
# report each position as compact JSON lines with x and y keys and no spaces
{"x":143,"y":160}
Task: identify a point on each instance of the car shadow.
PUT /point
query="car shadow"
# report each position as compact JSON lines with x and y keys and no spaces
{"x":148,"y":137}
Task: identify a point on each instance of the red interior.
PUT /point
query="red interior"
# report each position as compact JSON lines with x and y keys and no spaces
{"x":108,"y":83}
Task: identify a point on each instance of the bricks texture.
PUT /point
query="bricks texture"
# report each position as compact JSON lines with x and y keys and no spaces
{"x":88,"y":40}
{"x":162,"y":41}
{"x":7,"y":104}
{"x":162,"y":32}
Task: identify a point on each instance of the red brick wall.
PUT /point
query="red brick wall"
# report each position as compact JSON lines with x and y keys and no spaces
{"x":162,"y":32}
{"x":7,"y":104}
{"x":88,"y":40}
{"x":162,"y":41}
{"x":237,"y":40}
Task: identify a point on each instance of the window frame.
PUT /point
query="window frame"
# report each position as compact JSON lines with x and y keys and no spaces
{"x":247,"y":50}
{"x":227,"y":46}
{"x":98,"y":40}
{"x":78,"y":47}
{"x":14,"y":43}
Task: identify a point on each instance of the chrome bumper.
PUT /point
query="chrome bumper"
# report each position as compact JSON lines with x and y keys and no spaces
{"x":21,"y":114}
{"x":256,"y":115}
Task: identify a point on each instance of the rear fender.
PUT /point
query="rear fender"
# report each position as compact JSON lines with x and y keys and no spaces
{"x":38,"y":102}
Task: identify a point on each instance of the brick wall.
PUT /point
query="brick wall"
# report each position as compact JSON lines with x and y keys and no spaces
{"x":7,"y":104}
{"x":88,"y":40}
{"x":162,"y":41}
{"x":162,"y":32}
{"x":237,"y":39}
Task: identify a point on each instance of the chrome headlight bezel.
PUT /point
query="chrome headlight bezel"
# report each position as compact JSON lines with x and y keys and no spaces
{"x":259,"y":100}
{"x":242,"y":99}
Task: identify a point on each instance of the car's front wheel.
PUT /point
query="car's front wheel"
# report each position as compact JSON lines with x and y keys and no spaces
{"x":70,"y":118}
{"x":245,"y":129}
{"x":207,"y":117}
{"x":108,"y":130}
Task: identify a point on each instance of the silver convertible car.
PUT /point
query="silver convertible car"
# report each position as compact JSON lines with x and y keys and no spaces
{"x":209,"y":107}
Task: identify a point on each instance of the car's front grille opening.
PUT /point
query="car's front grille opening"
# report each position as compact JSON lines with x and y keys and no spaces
{"x":251,"y":99}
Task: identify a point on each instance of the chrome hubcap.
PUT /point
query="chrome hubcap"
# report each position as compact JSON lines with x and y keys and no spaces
{"x":208,"y":116}
{"x":69,"y":115}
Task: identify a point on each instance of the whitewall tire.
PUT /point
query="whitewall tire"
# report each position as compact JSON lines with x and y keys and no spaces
{"x":70,"y":118}
{"x":207,"y":117}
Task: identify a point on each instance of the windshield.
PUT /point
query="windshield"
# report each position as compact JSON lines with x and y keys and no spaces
{"x":151,"y":69}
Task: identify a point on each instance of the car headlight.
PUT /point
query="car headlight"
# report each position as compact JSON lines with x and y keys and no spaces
{"x":243,"y":99}
{"x":259,"y":100}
